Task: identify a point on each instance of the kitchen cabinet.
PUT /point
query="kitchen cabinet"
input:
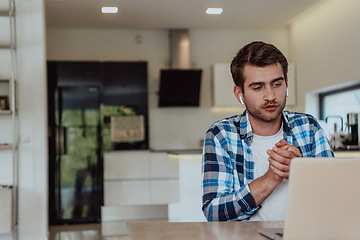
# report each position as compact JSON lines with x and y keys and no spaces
{"x":138,"y":186}
{"x":188,"y":209}
{"x":138,"y":178}
{"x":223,"y":86}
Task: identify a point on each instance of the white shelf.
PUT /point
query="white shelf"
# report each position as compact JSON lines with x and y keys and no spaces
{"x":4,"y":13}
{"x":5,"y":112}
{"x":5,"y":46}
{"x":5,"y":146}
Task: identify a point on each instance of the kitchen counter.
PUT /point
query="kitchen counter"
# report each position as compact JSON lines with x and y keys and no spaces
{"x":198,"y":152}
{"x":349,"y":148}
{"x":347,"y":153}
{"x":186,"y":152}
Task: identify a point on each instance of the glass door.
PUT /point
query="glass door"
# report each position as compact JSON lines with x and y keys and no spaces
{"x":77,"y":173}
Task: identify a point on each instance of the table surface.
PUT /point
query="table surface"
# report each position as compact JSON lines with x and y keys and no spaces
{"x":198,"y":230}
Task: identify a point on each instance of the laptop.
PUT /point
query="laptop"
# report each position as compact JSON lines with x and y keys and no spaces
{"x":323,"y":200}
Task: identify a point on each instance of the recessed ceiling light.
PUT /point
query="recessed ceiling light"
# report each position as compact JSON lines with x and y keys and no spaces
{"x":214,"y":10}
{"x":109,"y":9}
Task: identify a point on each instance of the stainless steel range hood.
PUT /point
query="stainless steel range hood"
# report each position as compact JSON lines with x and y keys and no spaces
{"x":179,"y":85}
{"x":179,"y":49}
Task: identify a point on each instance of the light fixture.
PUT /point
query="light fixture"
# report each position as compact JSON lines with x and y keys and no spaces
{"x":109,"y":10}
{"x":214,"y":10}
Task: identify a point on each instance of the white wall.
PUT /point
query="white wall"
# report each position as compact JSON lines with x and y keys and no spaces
{"x":31,"y":89}
{"x":325,"y":45}
{"x":170,"y":128}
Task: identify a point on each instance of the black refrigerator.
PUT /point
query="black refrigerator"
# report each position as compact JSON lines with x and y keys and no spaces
{"x":82,"y":98}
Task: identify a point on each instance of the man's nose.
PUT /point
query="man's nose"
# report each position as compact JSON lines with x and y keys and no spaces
{"x":269,"y":94}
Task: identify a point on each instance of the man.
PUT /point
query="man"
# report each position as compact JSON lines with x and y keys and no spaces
{"x":246,"y":158}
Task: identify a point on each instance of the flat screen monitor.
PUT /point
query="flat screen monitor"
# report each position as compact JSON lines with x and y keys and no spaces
{"x":180,"y":88}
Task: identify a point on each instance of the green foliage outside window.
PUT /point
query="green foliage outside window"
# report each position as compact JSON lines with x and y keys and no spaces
{"x":82,"y":144}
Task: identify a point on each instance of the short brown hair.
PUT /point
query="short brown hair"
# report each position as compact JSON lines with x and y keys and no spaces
{"x":258,"y":54}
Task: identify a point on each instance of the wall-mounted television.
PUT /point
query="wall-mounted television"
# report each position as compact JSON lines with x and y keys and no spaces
{"x":179,"y":88}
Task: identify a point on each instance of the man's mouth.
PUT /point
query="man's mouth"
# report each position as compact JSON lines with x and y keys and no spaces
{"x":270,"y":107}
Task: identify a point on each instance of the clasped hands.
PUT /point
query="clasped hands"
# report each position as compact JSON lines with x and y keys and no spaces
{"x":280,"y":157}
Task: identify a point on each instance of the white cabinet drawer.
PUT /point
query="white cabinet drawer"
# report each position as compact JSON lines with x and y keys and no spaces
{"x":164,"y":191}
{"x":133,"y":213}
{"x":163,"y":167}
{"x":131,"y":192}
{"x":126,"y":165}
{"x":140,"y":192}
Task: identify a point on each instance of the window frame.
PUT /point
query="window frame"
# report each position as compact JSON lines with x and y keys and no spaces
{"x":325,"y":94}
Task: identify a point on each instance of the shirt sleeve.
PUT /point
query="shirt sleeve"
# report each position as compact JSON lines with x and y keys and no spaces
{"x":309,"y":137}
{"x":321,"y":146}
{"x":225,"y":196}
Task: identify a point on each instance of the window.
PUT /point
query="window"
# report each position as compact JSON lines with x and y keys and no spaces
{"x":335,"y":105}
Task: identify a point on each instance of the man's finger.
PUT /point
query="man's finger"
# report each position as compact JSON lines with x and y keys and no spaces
{"x":281,"y":143}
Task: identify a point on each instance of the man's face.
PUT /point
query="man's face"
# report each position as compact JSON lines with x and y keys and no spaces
{"x":264,"y":92}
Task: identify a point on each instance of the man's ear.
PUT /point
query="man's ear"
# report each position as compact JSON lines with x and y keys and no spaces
{"x":238,"y":94}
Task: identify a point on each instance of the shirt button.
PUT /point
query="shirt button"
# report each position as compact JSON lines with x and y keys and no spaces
{"x":248,"y":151}
{"x":250,"y":176}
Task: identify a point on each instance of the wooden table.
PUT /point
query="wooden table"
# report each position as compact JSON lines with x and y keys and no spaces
{"x":198,"y":230}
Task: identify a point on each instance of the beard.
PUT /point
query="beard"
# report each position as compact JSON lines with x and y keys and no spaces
{"x":263,"y":115}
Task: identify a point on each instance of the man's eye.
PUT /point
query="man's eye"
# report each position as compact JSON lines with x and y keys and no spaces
{"x":277,"y":84}
{"x":257,"y":88}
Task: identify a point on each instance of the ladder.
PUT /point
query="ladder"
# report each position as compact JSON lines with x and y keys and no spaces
{"x":8,"y":118}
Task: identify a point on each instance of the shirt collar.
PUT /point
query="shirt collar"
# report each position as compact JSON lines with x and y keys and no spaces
{"x":286,"y":124}
{"x":245,"y":129}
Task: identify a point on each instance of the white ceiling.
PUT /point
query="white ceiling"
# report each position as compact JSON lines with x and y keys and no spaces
{"x":171,"y":14}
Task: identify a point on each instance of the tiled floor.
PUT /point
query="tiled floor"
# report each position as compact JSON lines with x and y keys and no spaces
{"x":80,"y":232}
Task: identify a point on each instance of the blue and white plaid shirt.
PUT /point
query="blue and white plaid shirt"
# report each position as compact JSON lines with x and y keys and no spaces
{"x":228,"y":162}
